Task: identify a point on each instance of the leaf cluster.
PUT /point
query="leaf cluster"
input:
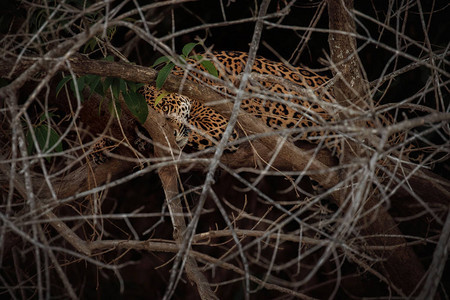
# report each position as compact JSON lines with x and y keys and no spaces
{"x":134,"y":100}
{"x":183,"y":58}
{"x":46,"y":137}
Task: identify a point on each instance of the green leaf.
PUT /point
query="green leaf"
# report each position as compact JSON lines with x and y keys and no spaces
{"x":123,"y":86}
{"x":133,"y":86}
{"x":81,"y":83}
{"x":46,"y":138}
{"x":110,"y":31}
{"x":182,"y":59}
{"x":115,"y":88}
{"x":90,"y":44}
{"x":159,"y":98}
{"x":115,"y":103}
{"x":62,"y":83}
{"x":163,"y":74}
{"x":118,"y":108}
{"x":107,"y":83}
{"x":137,"y":105}
{"x":80,"y":86}
{"x":100,"y":106}
{"x":109,"y":58}
{"x":209,"y":66}
{"x":99,"y":89}
{"x":162,"y":59}
{"x":188,"y":48}
{"x":43,"y":117}
{"x":196,"y":57}
{"x":90,"y":78}
{"x":93,"y":81}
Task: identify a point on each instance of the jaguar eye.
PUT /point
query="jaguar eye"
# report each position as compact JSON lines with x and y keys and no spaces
{"x":165,"y":108}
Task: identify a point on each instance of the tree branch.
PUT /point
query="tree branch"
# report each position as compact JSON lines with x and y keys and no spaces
{"x":402,"y":267}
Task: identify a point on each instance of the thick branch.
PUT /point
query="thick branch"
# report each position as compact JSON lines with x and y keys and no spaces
{"x":252,"y":125}
{"x":161,"y":134}
{"x":402,"y":267}
{"x":290,"y":156}
{"x":351,"y":87}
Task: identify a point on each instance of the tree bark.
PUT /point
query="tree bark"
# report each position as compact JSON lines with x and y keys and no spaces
{"x":401,"y":266}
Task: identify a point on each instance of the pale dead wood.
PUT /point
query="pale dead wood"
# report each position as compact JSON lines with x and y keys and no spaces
{"x":162,"y":136}
{"x":168,"y":246}
{"x":262,"y":151}
{"x":402,"y":266}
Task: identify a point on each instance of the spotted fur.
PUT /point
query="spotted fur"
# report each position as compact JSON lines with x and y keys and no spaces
{"x":281,"y":107}
{"x":196,"y":125}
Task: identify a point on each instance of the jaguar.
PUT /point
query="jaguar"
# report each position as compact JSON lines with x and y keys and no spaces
{"x":288,"y":97}
{"x":282,"y":96}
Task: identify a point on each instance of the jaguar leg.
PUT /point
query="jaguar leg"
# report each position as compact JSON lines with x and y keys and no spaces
{"x":99,"y":151}
{"x":207,"y":127}
{"x":182,"y":135}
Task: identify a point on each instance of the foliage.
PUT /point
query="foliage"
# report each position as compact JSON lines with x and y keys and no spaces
{"x":134,"y":100}
{"x":252,"y":227}
{"x":47,"y":138}
{"x":169,"y":64}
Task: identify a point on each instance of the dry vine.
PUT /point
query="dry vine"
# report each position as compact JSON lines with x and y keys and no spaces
{"x":164,"y":223}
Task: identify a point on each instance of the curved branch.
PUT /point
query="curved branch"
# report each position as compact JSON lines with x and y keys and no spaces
{"x":403,"y":267}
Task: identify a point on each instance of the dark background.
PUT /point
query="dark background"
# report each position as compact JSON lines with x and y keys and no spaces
{"x":147,"y":275}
